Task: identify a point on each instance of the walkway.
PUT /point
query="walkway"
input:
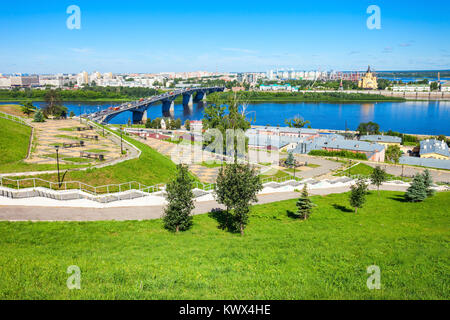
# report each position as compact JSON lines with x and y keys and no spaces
{"x":18,"y":213}
{"x":183,"y":153}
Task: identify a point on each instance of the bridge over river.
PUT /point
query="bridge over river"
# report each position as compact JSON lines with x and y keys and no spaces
{"x":139,"y":108}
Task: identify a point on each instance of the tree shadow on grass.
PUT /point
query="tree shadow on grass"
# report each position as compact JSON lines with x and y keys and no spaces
{"x":224,"y":218}
{"x":398,"y":197}
{"x":292,"y":215}
{"x":342,"y":208}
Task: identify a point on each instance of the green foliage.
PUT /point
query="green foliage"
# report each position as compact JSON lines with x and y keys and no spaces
{"x":72,"y":114}
{"x":370,"y":127}
{"x":296,"y":122}
{"x":434,"y":86}
{"x":148,"y":123}
{"x":290,"y":161}
{"x":187,"y":125}
{"x":342,"y":154}
{"x":406,"y":138}
{"x":177,"y":215}
{"x":417,"y":192}
{"x":428,"y":182}
{"x":53,"y":105}
{"x":28,"y":108}
{"x":156,"y":123}
{"x":257,"y":96}
{"x":236,"y":187}
{"x":174,"y":124}
{"x":393,"y":153}
{"x":215,"y":117}
{"x":39,"y":116}
{"x":378,"y":176}
{"x":358,"y":194}
{"x":304,"y":204}
{"x":86,"y":93}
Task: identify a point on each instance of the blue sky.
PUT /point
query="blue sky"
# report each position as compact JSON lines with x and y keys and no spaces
{"x":158,"y":36}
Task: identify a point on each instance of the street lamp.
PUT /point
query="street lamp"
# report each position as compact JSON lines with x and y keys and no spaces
{"x":57,"y":164}
{"x":121,"y":147}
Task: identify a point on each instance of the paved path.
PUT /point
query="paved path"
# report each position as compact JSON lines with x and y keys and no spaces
{"x":184,"y":154}
{"x":21,"y":213}
{"x":438,"y":175}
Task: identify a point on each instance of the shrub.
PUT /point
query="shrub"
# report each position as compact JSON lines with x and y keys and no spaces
{"x":343,"y":154}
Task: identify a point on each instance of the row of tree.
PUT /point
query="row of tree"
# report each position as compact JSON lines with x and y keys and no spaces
{"x":172,"y":124}
{"x":236,"y":187}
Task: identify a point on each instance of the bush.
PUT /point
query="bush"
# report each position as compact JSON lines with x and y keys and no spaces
{"x":39,"y":116}
{"x":343,"y":154}
{"x":417,"y":192}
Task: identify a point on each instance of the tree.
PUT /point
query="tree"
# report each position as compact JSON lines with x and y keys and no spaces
{"x":393,"y":153}
{"x":368,"y":128}
{"x":296,"y":122}
{"x":215,"y":117}
{"x":428,"y":182}
{"x":236,"y":187}
{"x":290,"y":161}
{"x":434,"y":86}
{"x":417,"y":192}
{"x":53,"y":105}
{"x":148,"y":123}
{"x":187,"y":125}
{"x":304,"y":204}
{"x":28,"y":108}
{"x":358,"y":194}
{"x":72,"y":114}
{"x":178,"y":123}
{"x":39,"y":116}
{"x":377,"y":177}
{"x":156,"y":123}
{"x":177,"y":214}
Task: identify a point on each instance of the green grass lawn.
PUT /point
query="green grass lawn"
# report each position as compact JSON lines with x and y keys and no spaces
{"x":280,"y":257}
{"x":97,"y":151}
{"x":63,"y":136}
{"x":365,"y":170}
{"x":211,"y":165}
{"x":14,"y":141}
{"x":274,"y":173}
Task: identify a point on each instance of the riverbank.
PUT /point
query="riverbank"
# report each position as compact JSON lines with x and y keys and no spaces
{"x":334,"y":97}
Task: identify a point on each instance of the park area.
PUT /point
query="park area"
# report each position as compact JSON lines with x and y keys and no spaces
{"x":280,"y":256}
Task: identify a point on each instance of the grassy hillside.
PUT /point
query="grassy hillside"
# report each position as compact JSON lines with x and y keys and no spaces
{"x":14,"y":141}
{"x":280,"y":257}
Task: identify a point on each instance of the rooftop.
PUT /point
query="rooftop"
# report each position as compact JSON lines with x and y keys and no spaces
{"x":434,"y":146}
{"x":381,"y":138}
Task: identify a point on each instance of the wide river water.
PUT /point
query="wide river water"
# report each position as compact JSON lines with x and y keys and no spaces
{"x":421,"y":117}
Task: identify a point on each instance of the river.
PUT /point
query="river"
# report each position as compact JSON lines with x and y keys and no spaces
{"x":419,"y":117}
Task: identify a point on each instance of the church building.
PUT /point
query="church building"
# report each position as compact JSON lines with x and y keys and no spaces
{"x":368,"y":81}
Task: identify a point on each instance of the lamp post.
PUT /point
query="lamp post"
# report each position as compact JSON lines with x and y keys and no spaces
{"x":57,"y":164}
{"x":121,"y":147}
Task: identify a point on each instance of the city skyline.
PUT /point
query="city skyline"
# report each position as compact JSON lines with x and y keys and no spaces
{"x":238,"y":37}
